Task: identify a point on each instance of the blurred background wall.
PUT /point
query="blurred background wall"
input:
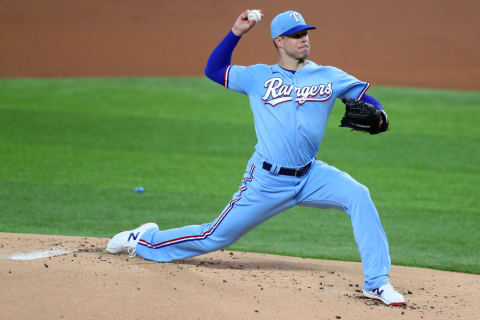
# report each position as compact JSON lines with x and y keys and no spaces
{"x":422,"y":43}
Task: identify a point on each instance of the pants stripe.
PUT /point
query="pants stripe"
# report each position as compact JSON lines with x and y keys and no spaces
{"x":208,"y":232}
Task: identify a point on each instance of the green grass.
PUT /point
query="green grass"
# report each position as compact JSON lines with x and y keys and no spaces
{"x":72,"y":150}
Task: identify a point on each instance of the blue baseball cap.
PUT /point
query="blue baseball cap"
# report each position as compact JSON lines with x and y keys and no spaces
{"x":288,"y":22}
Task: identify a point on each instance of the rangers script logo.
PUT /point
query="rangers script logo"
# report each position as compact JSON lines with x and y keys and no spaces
{"x":277,"y":92}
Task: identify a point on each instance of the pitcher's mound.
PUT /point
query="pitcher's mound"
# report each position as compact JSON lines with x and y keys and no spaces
{"x":57,"y":277}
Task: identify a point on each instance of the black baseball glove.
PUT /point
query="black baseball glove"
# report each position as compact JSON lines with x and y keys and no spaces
{"x":362,"y":116}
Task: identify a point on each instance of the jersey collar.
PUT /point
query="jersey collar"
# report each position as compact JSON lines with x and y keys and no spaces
{"x":277,"y":69}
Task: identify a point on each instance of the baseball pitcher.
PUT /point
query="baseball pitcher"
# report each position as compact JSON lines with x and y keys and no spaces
{"x":291,"y":102}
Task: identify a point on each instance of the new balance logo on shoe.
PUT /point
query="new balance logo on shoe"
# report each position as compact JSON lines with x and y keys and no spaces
{"x":133,"y":236}
{"x":378,"y":291}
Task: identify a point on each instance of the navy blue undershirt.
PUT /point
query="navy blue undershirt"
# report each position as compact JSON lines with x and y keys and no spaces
{"x":291,"y":71}
{"x":221,"y":58}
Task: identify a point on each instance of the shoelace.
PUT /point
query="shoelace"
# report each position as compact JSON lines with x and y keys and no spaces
{"x":131,"y":252}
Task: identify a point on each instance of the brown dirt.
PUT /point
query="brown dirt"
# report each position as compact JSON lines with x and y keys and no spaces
{"x":427,"y":43}
{"x":90,"y":284}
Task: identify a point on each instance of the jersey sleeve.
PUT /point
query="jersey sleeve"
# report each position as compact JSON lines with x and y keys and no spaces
{"x":349,"y":86}
{"x":239,"y":78}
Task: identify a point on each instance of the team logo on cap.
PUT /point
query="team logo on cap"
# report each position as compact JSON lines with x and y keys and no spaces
{"x":277,"y":92}
{"x":296,"y":16}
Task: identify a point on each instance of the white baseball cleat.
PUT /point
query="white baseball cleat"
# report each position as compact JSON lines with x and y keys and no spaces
{"x":127,"y":241}
{"x":387,"y":294}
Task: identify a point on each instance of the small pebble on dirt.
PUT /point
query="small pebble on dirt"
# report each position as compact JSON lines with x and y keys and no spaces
{"x":45,"y":265}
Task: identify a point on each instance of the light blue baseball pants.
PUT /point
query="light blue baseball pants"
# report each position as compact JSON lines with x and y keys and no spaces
{"x":261,"y":196}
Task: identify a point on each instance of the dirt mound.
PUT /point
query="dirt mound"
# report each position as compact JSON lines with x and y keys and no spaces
{"x":87,"y":283}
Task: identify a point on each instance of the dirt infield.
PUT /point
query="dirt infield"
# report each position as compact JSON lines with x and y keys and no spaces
{"x":90,"y":284}
{"x":430,"y":43}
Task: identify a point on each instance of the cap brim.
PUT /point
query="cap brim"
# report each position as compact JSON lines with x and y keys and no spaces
{"x":297,"y":29}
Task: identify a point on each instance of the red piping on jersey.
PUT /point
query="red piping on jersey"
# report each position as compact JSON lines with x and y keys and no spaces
{"x":364,"y":91}
{"x":226,"y":76}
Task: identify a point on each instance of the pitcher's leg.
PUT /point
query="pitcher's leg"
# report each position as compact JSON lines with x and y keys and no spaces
{"x":370,"y":237}
{"x":250,"y":206}
{"x":328,"y":187}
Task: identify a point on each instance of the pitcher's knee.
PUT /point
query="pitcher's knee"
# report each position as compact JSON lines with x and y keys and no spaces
{"x":217,"y":243}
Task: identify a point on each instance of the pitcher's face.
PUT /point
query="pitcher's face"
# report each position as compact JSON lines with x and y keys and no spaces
{"x":296,"y":45}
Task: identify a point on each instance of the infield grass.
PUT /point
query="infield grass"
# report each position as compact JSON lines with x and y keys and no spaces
{"x":73,"y":150}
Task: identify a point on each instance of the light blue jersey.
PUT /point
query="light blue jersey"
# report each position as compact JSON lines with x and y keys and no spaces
{"x":291,"y":110}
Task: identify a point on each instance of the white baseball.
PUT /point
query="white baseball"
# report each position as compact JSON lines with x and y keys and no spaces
{"x":254,"y":15}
